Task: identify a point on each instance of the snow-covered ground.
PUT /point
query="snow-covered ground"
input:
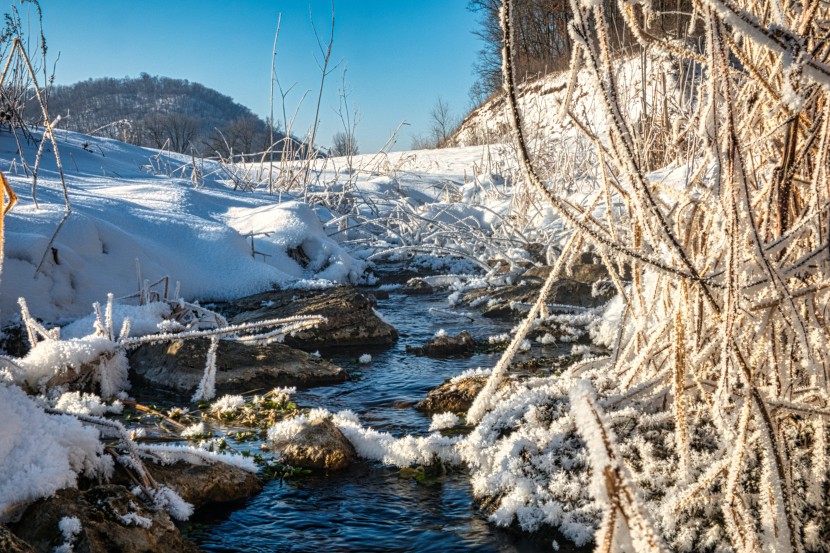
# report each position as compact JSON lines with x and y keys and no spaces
{"x":128,"y":215}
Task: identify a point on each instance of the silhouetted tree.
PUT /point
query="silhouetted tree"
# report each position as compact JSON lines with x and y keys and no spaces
{"x":343,"y":144}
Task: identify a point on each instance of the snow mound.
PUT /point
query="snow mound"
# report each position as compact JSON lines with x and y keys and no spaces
{"x":42,"y":453}
{"x":294,"y":240}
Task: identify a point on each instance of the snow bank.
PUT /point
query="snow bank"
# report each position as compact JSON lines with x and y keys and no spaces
{"x":294,"y":240}
{"x":121,"y":213}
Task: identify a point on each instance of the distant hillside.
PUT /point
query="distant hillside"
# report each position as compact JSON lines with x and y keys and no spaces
{"x":161,"y":112}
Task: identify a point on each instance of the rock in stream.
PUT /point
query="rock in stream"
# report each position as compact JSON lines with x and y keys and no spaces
{"x":179,"y":366}
{"x":112,"y":519}
{"x":443,"y":347}
{"x":578,"y":288}
{"x":352,"y":320}
{"x":319,"y":445}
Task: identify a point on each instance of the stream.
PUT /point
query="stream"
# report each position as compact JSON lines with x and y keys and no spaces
{"x":370,"y":507}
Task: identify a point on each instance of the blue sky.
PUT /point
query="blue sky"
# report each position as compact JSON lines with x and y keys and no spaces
{"x":400,"y":55}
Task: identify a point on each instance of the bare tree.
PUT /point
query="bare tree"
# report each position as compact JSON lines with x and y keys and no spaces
{"x":154,"y":127}
{"x":442,"y":123}
{"x":242,"y":133}
{"x":343,"y":144}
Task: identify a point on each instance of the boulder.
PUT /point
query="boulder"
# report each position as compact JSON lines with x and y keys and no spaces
{"x":577,"y":288}
{"x":179,"y":366}
{"x":202,"y":485}
{"x":453,"y":397}
{"x":418,"y":286}
{"x":442,"y":347}
{"x":352,"y":320}
{"x":319,"y":445}
{"x":112,"y":519}
{"x":457,"y":397}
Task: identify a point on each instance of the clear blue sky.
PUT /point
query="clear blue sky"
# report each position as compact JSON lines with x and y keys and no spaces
{"x":400,"y":55}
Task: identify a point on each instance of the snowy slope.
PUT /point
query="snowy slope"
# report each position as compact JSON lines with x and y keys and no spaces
{"x":127,"y":207}
{"x":122,"y":212}
{"x":540,"y":103}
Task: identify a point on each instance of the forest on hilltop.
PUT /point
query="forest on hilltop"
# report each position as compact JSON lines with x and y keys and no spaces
{"x":161,"y":112}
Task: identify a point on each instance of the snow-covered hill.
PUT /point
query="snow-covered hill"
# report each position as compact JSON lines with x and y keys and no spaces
{"x":540,"y":102}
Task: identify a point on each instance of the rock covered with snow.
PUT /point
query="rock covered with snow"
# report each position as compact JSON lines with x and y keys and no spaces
{"x":92,"y":363}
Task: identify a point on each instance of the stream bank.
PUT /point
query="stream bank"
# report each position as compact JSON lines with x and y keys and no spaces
{"x":367,"y":507}
{"x":370,"y":507}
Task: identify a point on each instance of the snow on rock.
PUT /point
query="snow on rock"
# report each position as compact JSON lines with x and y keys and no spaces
{"x":441,"y":421}
{"x":70,"y":527}
{"x":144,"y":319}
{"x":42,"y":453}
{"x":51,"y":358}
{"x":372,"y":444}
{"x":86,"y":404}
{"x":169,"y":454}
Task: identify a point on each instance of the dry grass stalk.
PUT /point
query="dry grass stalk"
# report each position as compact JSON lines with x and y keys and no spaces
{"x":729,"y":269}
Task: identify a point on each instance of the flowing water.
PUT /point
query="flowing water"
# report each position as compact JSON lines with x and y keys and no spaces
{"x":371,"y":507}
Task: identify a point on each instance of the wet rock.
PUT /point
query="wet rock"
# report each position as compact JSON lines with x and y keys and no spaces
{"x":179,"y":366}
{"x":441,"y":347}
{"x":9,"y":543}
{"x":578,"y":289}
{"x":418,"y":286}
{"x":205,"y":484}
{"x":352,"y":320}
{"x":374,"y":294}
{"x":112,"y":519}
{"x":454,"y":397}
{"x":319,"y":445}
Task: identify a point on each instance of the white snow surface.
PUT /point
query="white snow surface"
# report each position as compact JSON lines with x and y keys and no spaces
{"x":199,"y":234}
{"x":122,"y":212}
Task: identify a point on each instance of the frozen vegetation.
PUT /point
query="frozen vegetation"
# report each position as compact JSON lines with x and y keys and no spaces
{"x":698,"y":175}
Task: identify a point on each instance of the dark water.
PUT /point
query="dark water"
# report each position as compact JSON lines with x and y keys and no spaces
{"x":371,"y":507}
